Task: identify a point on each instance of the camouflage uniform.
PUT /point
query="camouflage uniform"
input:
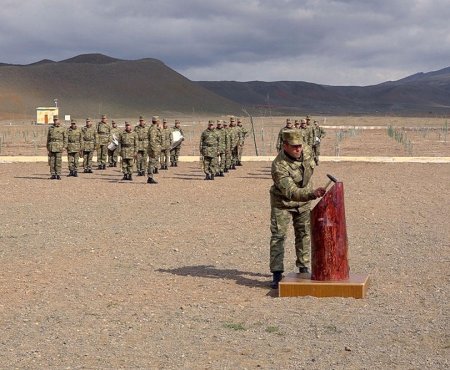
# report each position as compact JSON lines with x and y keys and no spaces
{"x":165,"y":146}
{"x":175,"y":152}
{"x":227,"y":147}
{"x":234,"y":141}
{"x":209,"y":146}
{"x":113,"y":153}
{"x":290,"y":200}
{"x":89,"y":135}
{"x":220,"y":163}
{"x":242,"y":133}
{"x":128,"y":144}
{"x":103,"y":132}
{"x":319,"y":133}
{"x":74,"y":147}
{"x":142,"y":134}
{"x":154,"y":149}
{"x":288,"y":126}
{"x":56,"y":143}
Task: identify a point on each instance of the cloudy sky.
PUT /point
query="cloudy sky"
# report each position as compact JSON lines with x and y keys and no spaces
{"x":340,"y":42}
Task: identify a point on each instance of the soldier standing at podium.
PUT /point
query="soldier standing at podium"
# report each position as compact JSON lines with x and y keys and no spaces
{"x":290,"y":201}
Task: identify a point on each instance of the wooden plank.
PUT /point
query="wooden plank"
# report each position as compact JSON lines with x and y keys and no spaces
{"x":300,"y":285}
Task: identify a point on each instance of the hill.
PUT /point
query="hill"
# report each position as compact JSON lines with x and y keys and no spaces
{"x":91,"y":84}
{"x":419,"y":94}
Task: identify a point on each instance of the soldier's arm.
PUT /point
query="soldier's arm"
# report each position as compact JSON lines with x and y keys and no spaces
{"x":290,"y":190}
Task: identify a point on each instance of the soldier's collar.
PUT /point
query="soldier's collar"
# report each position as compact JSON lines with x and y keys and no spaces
{"x":291,"y":158}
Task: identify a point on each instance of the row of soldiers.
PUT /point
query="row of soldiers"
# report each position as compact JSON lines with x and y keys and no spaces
{"x":312,"y":134}
{"x":221,"y":147}
{"x":134,"y":145}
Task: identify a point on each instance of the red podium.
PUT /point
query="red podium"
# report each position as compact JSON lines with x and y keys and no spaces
{"x":330,"y":272}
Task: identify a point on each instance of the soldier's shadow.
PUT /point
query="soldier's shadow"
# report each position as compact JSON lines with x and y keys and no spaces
{"x":36,"y":176}
{"x":209,"y":271}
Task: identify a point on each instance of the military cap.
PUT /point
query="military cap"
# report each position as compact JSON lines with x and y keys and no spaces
{"x":155,"y":118}
{"x":307,"y":118}
{"x":293,"y":137}
{"x":164,"y":120}
{"x":232,"y":119}
{"x":103,"y":116}
{"x":303,"y":120}
{"x":239,"y":121}
{"x":113,"y":121}
{"x":72,"y":121}
{"x":88,"y":119}
{"x":55,"y":118}
{"x":210,"y":122}
{"x":141,"y":118}
{"x":177,"y":121}
{"x":288,"y":120}
{"x":127,"y":123}
{"x":296,"y":121}
{"x":219,"y":122}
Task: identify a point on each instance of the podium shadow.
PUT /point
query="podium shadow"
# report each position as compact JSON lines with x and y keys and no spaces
{"x":209,"y":271}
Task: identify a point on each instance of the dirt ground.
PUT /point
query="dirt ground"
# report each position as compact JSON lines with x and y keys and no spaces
{"x":101,"y":273}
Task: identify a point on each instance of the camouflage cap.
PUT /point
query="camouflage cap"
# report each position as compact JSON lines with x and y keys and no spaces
{"x":72,"y":121}
{"x":288,"y":120}
{"x":232,"y":119}
{"x":141,"y":118}
{"x":88,"y":119}
{"x":103,"y":116}
{"x":177,"y":121}
{"x":210,"y":122}
{"x":308,"y":118}
{"x":55,"y":118}
{"x":127,"y":123}
{"x":293,"y":137}
{"x":219,"y":122}
{"x":155,"y":118}
{"x":239,"y":121}
{"x":113,"y":122}
{"x":303,"y":120}
{"x":164,"y":120}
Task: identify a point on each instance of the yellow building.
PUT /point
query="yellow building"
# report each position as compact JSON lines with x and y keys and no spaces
{"x":44,"y":115}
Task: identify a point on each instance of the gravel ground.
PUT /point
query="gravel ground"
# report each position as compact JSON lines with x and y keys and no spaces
{"x":101,"y":273}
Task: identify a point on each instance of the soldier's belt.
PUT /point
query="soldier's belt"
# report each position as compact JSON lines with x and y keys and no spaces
{"x":126,"y":145}
{"x":55,"y":140}
{"x":143,"y":139}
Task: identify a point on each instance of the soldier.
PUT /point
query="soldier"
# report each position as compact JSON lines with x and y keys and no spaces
{"x":176,"y":147}
{"x":141,"y":130}
{"x":165,"y":145}
{"x":288,"y":126}
{"x":220,"y":162}
{"x":290,"y":201}
{"x":234,"y":141}
{"x":56,"y":143}
{"x":113,"y":147}
{"x":154,"y":149}
{"x":296,"y":123}
{"x":227,"y":146}
{"x":209,"y":147}
{"x":242,"y":133}
{"x":128,"y":144}
{"x":89,"y":136}
{"x":306,"y":133}
{"x":319,"y":134}
{"x":74,"y":147}
{"x":103,"y":132}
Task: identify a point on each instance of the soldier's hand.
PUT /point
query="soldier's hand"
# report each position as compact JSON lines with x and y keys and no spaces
{"x":320,"y":192}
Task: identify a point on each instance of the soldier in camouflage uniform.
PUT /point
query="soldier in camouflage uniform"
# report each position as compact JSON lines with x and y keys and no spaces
{"x":154,"y":149}
{"x":209,"y":147}
{"x":103,"y":138}
{"x":297,"y":124}
{"x":88,"y":147}
{"x":141,"y":130}
{"x":165,"y":145}
{"x":227,"y":146}
{"x":220,"y":162}
{"x":290,"y":201}
{"x":234,"y":141}
{"x":306,"y":133}
{"x":242,"y":133}
{"x":56,"y":143}
{"x":74,"y":147}
{"x":128,"y":144}
{"x":319,"y":133}
{"x":288,"y":126}
{"x":113,"y":147}
{"x":175,"y":151}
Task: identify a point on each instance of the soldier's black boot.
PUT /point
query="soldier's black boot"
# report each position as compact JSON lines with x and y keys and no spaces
{"x":130,"y":178}
{"x":75,"y":173}
{"x":58,"y":177}
{"x":212,"y":177}
{"x":303,"y":270}
{"x":225,"y":170}
{"x":207,"y":177}
{"x":125,"y":176}
{"x":171,"y":164}
{"x":151,"y":180}
{"x":277,"y":276}
{"x":176,"y":164}
{"x":70,"y":173}
{"x":155,"y":170}
{"x":221,"y":174}
{"x":90,"y":170}
{"x":53,"y":177}
{"x":239,"y":163}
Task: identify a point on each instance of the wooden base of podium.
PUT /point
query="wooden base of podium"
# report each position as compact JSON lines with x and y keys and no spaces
{"x":300,"y":285}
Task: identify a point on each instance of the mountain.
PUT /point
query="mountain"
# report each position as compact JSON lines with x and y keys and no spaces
{"x":419,"y":94}
{"x":92,"y":84}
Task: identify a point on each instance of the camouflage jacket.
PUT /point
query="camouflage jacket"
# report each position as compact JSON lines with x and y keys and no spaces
{"x":56,"y":139}
{"x":292,"y":185}
{"x":142,"y":135}
{"x":103,"y":134}
{"x":242,"y":134}
{"x":74,"y":140}
{"x":88,"y":138}
{"x":308,"y":136}
{"x":209,"y":143}
{"x":154,"y":141}
{"x":319,"y":133}
{"x":128,"y":143}
{"x":234,"y":136}
{"x":221,"y":134}
{"x":166,"y":138}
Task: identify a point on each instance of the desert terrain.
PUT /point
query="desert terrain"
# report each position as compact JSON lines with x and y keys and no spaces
{"x":103,"y":273}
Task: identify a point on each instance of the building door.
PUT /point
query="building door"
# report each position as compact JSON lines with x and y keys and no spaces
{"x":46,"y":119}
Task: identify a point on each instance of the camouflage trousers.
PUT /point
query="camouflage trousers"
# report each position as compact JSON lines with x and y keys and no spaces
{"x":113,"y":156}
{"x":102,"y":153}
{"x":153,"y":163}
{"x":141,"y":161}
{"x":55,"y":162}
{"x":220,"y":162}
{"x":127,"y":166}
{"x":227,"y":159}
{"x":209,"y":165}
{"x":279,"y":222}
{"x":164,"y":157}
{"x":73,"y":159}
{"x":87,"y":159}
{"x":234,"y":155}
{"x":174,"y":154}
{"x":240,"y":149}
{"x":316,"y":152}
